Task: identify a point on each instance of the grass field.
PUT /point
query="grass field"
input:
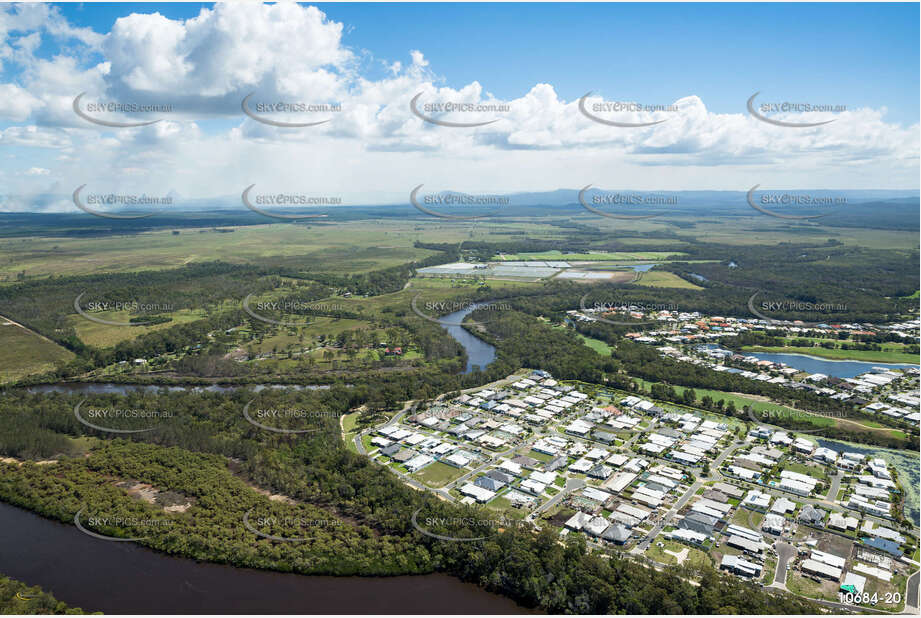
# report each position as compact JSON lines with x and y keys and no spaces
{"x":438,"y":474}
{"x":870,"y":356}
{"x":354,"y":248}
{"x":108,"y":335}
{"x":596,"y":344}
{"x":25,"y":353}
{"x":661,"y":279}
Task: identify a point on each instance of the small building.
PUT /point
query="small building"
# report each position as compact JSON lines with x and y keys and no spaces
{"x":698,"y":522}
{"x":821,"y":569}
{"x":773,"y":524}
{"x":740,"y":566}
{"x":616,"y":534}
{"x":811,"y":515}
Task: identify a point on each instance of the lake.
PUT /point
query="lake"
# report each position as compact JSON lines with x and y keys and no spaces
{"x":836,"y":368}
{"x":123,"y":578}
{"x":478,"y":351}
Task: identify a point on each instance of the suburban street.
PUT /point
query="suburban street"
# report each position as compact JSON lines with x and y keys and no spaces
{"x":785,"y":552}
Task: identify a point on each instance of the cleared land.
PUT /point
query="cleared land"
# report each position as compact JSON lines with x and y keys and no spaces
{"x":26,"y":353}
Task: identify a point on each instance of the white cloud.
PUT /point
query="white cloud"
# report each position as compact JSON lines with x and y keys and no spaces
{"x":375,"y":148}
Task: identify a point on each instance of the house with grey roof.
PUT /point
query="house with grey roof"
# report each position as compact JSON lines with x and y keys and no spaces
{"x":698,"y":522}
{"x":616,"y":533}
{"x":489,"y":483}
{"x":811,"y":515}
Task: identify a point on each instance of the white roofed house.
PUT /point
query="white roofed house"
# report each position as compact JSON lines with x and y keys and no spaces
{"x":879,"y":468}
{"x":457,"y":460}
{"x":838,"y":521}
{"x":803,"y":446}
{"x":825,"y":455}
{"x":757,"y":500}
{"x":418,"y":462}
{"x":783,"y":506}
{"x":781,"y":437}
{"x":773,"y":523}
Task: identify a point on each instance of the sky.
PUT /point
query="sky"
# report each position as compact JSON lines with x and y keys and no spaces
{"x":695,"y":65}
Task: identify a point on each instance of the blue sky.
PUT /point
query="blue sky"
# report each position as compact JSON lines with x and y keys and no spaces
{"x":859,"y":54}
{"x":534,"y":61}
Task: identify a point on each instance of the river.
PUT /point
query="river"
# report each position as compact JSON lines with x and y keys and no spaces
{"x":123,"y":578}
{"x":835,"y":368}
{"x":479,"y":353}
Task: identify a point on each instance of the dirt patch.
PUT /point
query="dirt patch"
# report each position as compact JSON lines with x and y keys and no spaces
{"x":169,"y":501}
{"x":19,"y":462}
{"x":272,"y":497}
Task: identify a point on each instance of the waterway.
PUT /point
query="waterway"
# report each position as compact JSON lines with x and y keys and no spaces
{"x":835,"y":368}
{"x":479,"y":353}
{"x":123,"y":578}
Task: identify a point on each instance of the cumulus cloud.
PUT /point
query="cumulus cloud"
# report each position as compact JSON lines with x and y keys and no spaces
{"x":373,"y":145}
